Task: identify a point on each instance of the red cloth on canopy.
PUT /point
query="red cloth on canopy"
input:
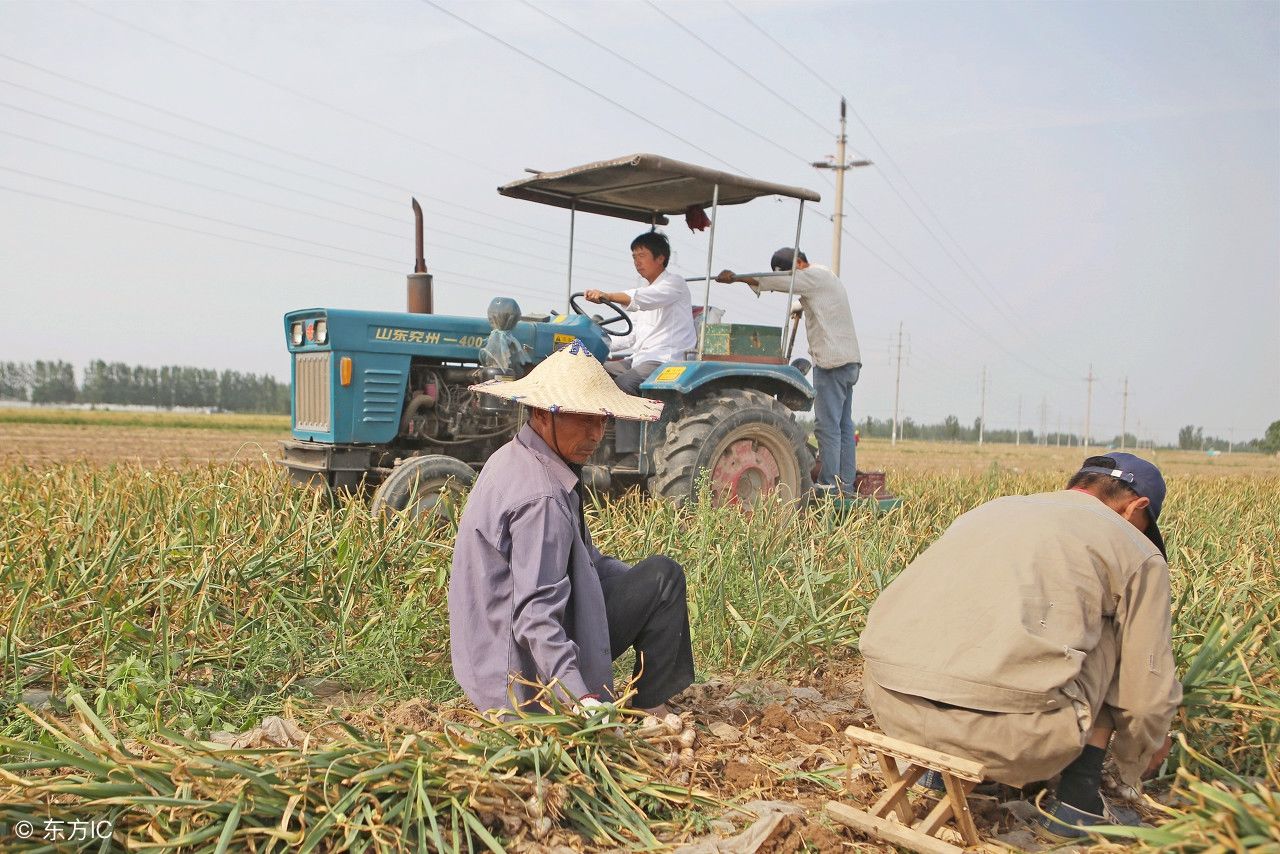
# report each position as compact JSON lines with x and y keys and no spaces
{"x":696,"y":218}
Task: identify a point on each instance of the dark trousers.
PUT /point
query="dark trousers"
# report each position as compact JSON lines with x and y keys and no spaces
{"x":628,"y":376}
{"x":646,"y":609}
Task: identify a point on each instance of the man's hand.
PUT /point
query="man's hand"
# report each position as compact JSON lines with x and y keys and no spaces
{"x":726,"y":277}
{"x":591,"y":707}
{"x":621,"y":298}
{"x":1158,"y":759}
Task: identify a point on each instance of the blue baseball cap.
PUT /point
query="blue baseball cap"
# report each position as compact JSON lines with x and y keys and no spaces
{"x":1142,"y":477}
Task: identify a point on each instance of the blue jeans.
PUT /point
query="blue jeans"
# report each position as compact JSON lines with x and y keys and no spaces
{"x":833,"y":412}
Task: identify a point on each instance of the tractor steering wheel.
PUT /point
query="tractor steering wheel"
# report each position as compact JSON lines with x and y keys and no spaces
{"x":620,"y":315}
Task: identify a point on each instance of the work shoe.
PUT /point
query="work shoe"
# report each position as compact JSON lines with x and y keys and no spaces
{"x":825,"y":490}
{"x":931,"y":780}
{"x":1062,"y":821}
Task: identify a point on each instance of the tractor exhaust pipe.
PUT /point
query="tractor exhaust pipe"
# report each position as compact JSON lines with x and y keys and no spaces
{"x":418,"y":293}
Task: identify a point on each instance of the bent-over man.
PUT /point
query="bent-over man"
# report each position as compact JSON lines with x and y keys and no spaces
{"x":1034,"y":636}
{"x":531,"y":600}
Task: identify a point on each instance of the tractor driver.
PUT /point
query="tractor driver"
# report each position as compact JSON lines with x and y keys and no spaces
{"x":532,"y":602}
{"x":664,"y":330}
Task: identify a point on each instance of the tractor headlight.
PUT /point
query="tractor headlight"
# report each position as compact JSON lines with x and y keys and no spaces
{"x":322,"y":331}
{"x":295,"y":333}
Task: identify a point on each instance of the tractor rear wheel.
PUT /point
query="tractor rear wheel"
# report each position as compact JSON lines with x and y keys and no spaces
{"x":747,"y":442}
{"x":428,"y":488}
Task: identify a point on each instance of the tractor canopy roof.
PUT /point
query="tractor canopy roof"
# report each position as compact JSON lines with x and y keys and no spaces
{"x":644,"y":187}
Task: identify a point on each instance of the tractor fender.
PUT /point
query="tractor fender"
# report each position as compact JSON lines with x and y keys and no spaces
{"x":686,"y":378}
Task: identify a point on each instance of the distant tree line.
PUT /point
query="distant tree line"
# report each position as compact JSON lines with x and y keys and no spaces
{"x":1193,"y":438}
{"x":950,"y":429}
{"x":166,"y":387}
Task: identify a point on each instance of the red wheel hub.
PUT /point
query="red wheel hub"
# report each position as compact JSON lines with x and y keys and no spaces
{"x":745,"y":471}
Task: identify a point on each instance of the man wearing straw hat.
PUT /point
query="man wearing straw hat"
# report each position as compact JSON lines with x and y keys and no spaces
{"x":1034,"y":637}
{"x":531,"y":601}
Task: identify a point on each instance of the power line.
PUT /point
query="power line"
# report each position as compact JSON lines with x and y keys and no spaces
{"x":196,"y":162}
{"x":648,"y":120}
{"x":941,"y":300}
{"x":258,"y":180}
{"x":205,"y":217}
{"x":992,"y":295}
{"x":278,"y":206}
{"x":182,"y":138}
{"x":960,"y":314}
{"x":193,"y":230}
{"x":253,"y":228}
{"x":677,"y":89}
{"x":287,"y":152}
{"x":783,"y":48}
{"x":297,"y":93}
{"x":233,"y":238}
{"x":716,"y":51}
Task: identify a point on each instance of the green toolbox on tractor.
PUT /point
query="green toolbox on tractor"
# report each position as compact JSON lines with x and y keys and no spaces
{"x":381,"y":400}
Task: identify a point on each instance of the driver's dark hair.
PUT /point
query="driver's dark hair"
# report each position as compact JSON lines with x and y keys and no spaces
{"x":657,"y":243}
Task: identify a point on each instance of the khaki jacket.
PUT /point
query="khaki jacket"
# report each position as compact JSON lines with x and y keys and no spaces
{"x":1000,"y":613}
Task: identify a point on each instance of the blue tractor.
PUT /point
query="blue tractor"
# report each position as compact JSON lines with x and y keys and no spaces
{"x":381,"y":400}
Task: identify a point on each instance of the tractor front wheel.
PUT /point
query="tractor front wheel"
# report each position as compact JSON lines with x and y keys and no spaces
{"x":428,"y":488}
{"x":748,"y":444}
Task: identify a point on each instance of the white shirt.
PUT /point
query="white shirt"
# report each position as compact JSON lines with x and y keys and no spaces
{"x":828,"y":320}
{"x":662,"y":313}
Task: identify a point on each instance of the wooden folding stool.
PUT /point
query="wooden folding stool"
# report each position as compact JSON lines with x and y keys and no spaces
{"x":959,"y":776}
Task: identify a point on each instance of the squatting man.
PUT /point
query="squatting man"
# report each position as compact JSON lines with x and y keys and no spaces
{"x":1034,"y":636}
{"x":533,"y":605}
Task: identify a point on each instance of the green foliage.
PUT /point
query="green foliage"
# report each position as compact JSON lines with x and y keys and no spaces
{"x":53,"y":382}
{"x":1271,"y":439}
{"x":458,"y":790}
{"x":202,"y":598}
{"x":139,"y":385}
{"x":15,"y":380}
{"x":229,"y":422}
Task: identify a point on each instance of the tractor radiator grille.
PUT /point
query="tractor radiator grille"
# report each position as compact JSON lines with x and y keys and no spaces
{"x":383,"y":396}
{"x":311,"y":392}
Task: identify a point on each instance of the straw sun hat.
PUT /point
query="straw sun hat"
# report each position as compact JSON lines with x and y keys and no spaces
{"x":572,"y":380}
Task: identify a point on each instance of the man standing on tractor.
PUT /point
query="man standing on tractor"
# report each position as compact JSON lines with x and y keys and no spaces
{"x":533,"y":605}
{"x":664,"y":331}
{"x":828,"y":323}
{"x":1034,"y":636}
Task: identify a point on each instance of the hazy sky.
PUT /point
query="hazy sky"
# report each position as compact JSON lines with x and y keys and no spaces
{"x":1055,"y":184}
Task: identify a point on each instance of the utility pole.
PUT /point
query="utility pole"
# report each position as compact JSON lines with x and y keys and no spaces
{"x":1058,"y":435}
{"x":982,"y":413}
{"x":897,"y":389}
{"x":1124,"y":413}
{"x":841,"y":166}
{"x":1231,"y":441}
{"x":1017,"y":436}
{"x":1044,"y":421}
{"x":1088,"y":407}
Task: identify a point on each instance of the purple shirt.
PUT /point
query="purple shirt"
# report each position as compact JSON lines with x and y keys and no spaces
{"x":524,"y":596}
